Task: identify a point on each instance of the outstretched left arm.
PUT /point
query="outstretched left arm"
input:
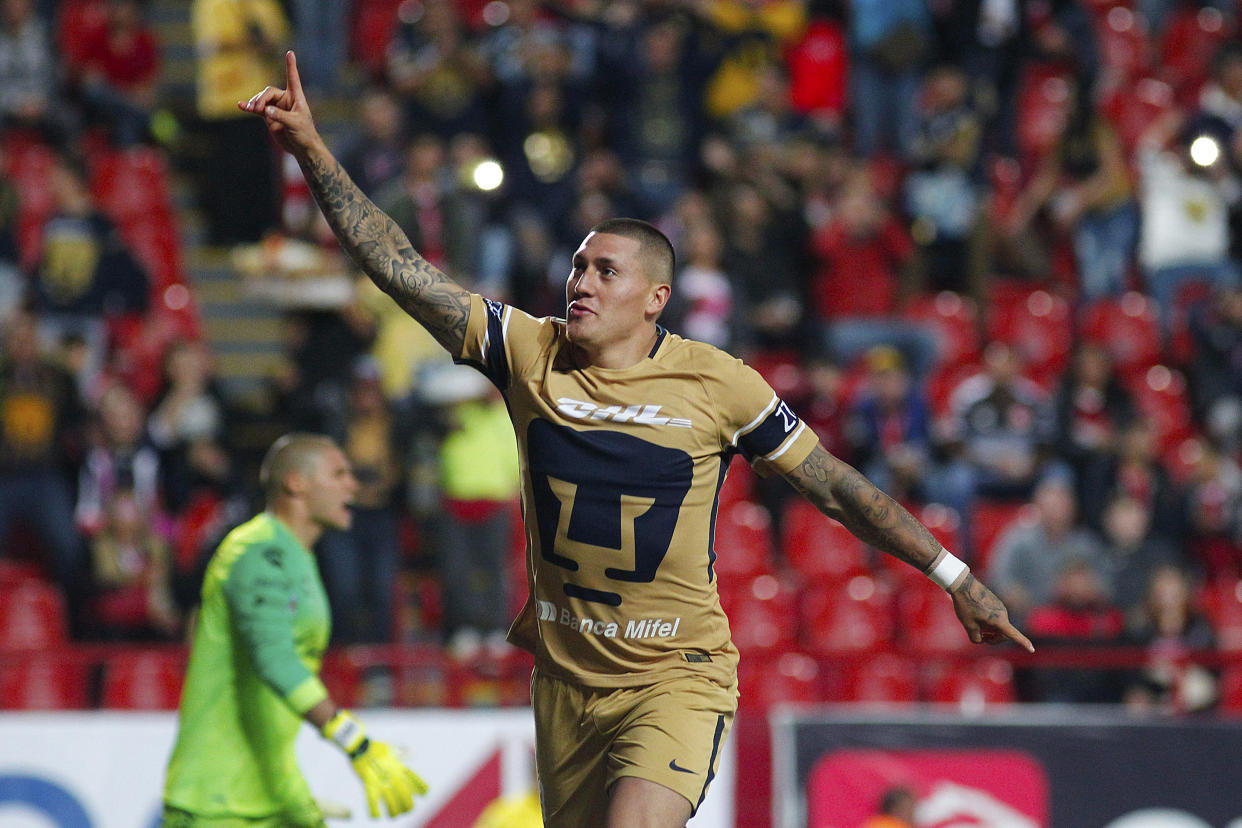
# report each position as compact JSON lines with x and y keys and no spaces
{"x":839,"y":491}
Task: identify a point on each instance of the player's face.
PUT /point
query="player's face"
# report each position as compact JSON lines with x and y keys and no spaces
{"x":608,"y":294}
{"x":331,"y":490}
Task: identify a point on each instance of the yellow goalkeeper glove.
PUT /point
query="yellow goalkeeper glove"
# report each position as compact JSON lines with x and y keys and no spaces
{"x":384,"y":776}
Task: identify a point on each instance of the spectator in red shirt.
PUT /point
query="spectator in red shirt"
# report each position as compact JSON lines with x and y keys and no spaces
{"x":117,"y":74}
{"x":863,"y":276}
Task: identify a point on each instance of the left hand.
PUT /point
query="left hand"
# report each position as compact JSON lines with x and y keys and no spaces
{"x":984,"y":617}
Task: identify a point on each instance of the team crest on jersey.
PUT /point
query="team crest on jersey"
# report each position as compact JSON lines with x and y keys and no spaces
{"x":639,"y":414}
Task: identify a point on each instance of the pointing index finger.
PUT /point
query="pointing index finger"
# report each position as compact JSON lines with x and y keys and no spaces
{"x":294,"y":81}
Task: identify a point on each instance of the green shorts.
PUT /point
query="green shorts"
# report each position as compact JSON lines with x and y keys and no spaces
{"x":177,"y":818}
{"x":586,"y":738}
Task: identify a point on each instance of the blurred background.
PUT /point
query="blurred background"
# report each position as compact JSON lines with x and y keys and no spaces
{"x":988,"y":249}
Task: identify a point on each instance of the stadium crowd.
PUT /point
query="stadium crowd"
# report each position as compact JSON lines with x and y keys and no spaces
{"x":987,"y":249}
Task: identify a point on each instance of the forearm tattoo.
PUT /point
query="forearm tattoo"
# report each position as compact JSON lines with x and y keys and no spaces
{"x":984,"y":605}
{"x":382,"y":250}
{"x":838,"y":490}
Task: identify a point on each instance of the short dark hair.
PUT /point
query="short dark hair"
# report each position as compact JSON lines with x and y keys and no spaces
{"x":655,"y":245}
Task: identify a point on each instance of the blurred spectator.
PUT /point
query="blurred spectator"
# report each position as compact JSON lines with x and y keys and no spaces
{"x":652,"y":76}
{"x":896,"y":809}
{"x":942,"y":195}
{"x":117,"y":73}
{"x":1172,"y":630}
{"x":1132,"y":553}
{"x":1092,"y":407}
{"x":360,"y":564}
{"x":1221,"y":96}
{"x":188,"y":425}
{"x":438,"y":72}
{"x":28,"y":71}
{"x":40,"y":432}
{"x":320,"y":348}
{"x":702,"y":302}
{"x":478,"y":472}
{"x":1084,"y":185}
{"x":1213,"y":513}
{"x":749,"y":36}
{"x":823,"y":405}
{"x":236,"y":44}
{"x":12,"y":282}
{"x":819,"y":69}
{"x":864,"y":273}
{"x":121,"y":459}
{"x":1030,"y":556}
{"x":374,"y":151}
{"x":1080,"y":614}
{"x":892,"y":428}
{"x":132,"y":576}
{"x":1135,"y":470}
{"x":890,"y":40}
{"x":1185,"y":205}
{"x":1215,"y":366}
{"x":86,"y":274}
{"x":321,"y":32}
{"x":770,"y":118}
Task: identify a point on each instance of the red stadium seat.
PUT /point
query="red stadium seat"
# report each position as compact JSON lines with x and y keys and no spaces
{"x":743,"y":540}
{"x":991,"y":519}
{"x":32,"y":617}
{"x":885,"y":677}
{"x":926,"y":620}
{"x":739,"y":483}
{"x":132,"y":184}
{"x":1162,"y":397}
{"x":954,"y":318}
{"x":1043,"y":107}
{"x":30,"y":165}
{"x":1134,"y":106}
{"x":143,"y":680}
{"x":1128,"y":328}
{"x":43,"y":682}
{"x":819,"y":548}
{"x":1192,"y":36}
{"x":854,"y":617}
{"x":77,"y":22}
{"x":1230,"y":690}
{"x":971,"y":686}
{"x":374,"y":23}
{"x":1038,"y":325}
{"x":789,"y":677}
{"x":154,"y":242}
{"x":1222,"y":603}
{"x":945,"y":526}
{"x":763,"y":613}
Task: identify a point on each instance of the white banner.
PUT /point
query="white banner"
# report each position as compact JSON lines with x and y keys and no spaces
{"x":106,"y":769}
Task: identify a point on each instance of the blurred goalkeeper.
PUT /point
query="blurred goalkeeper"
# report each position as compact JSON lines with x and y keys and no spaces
{"x":253,"y":674}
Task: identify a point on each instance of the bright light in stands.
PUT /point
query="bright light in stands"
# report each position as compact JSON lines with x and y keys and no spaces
{"x":1204,"y":151}
{"x":488,"y":175}
{"x":176,"y":297}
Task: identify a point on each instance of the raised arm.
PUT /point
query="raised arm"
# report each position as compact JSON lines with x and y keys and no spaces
{"x":840,"y":492}
{"x":370,"y":237}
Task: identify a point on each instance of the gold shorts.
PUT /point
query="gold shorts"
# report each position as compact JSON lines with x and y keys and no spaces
{"x":586,"y":738}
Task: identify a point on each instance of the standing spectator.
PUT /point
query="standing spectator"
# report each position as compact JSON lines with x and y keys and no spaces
{"x":28,"y":71}
{"x":235,"y":44}
{"x":1172,"y":630}
{"x":892,"y":430}
{"x":819,"y":70}
{"x":321,"y":31}
{"x":360,"y":563}
{"x":1031,"y":556}
{"x":749,"y":37}
{"x":478,"y":470}
{"x":438,"y":72}
{"x":118,"y":71}
{"x":1132,"y":553}
{"x":1213,"y":513}
{"x":86,"y":275}
{"x":1215,"y":367}
{"x":1084,"y":184}
{"x":1092,"y":407}
{"x":864,"y":274}
{"x":40,"y":419}
{"x":889,"y":42}
{"x":1134,"y":469}
{"x":1185,"y":210}
{"x":132,"y":575}
{"x":942,"y":196}
{"x":374,"y":154}
{"x":703,"y":298}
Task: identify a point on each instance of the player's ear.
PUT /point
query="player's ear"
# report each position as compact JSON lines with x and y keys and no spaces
{"x":658,"y":298}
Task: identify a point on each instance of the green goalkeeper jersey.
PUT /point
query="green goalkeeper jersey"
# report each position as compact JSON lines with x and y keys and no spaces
{"x":253,"y":673}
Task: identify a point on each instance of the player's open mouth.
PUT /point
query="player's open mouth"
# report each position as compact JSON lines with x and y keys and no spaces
{"x":576,"y":309}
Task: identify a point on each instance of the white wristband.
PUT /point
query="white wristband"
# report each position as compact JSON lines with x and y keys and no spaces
{"x":947,"y":572}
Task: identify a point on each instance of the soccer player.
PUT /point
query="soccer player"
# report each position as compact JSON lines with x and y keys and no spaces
{"x":625,"y":433}
{"x":253,"y":674}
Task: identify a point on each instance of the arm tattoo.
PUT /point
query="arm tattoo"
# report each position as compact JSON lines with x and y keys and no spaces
{"x":839,"y":491}
{"x":985,"y":605}
{"x":385,"y":254}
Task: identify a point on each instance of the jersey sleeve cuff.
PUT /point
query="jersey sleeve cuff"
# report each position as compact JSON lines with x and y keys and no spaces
{"x":306,"y":695}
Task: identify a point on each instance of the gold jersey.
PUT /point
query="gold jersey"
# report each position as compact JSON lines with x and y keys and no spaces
{"x":621,"y":476}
